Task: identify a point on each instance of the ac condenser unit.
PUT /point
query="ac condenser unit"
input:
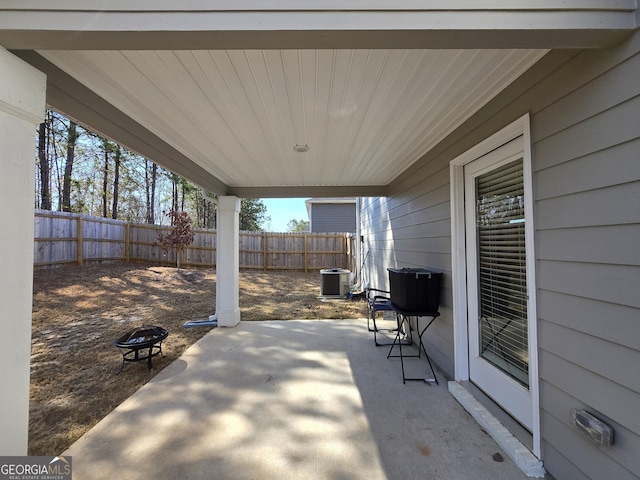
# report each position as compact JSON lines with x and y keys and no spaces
{"x":335,"y":282}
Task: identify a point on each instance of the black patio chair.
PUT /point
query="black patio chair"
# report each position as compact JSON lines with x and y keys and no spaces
{"x":377,"y":301}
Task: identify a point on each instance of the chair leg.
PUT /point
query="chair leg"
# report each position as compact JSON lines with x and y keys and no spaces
{"x":371,"y":315}
{"x":376,"y":330}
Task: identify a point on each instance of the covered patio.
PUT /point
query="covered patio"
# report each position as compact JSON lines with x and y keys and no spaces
{"x":290,"y":399}
{"x":366,"y":98}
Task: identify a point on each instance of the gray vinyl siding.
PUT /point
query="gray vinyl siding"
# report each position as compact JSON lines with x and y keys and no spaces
{"x":587,"y":169}
{"x":333,"y":217}
{"x":585,"y":126}
{"x":417,"y":218}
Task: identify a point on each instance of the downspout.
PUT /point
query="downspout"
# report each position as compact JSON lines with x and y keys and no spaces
{"x":212,"y":320}
{"x":214,"y":316}
{"x":210,"y":199}
{"x":358,"y":246}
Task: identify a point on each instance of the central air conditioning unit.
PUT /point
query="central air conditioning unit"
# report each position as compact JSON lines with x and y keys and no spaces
{"x":335,"y":282}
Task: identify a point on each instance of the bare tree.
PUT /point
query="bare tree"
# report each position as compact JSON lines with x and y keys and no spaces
{"x":72,"y":137}
{"x":175,"y":180}
{"x":181,"y":235}
{"x":44,"y":165}
{"x":150,"y":184}
{"x":75,"y":173}
{"x":116,"y":181}
{"x":105,"y":177}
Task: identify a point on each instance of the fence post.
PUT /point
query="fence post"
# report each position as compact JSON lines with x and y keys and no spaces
{"x":127,"y":241}
{"x":354,"y":261}
{"x":351,"y":254}
{"x":80,"y":236}
{"x":264,"y":248}
{"x":306,"y":253}
{"x":344,"y":250}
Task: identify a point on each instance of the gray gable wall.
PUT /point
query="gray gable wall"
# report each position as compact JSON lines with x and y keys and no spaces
{"x":333,"y":217}
{"x":585,"y":127}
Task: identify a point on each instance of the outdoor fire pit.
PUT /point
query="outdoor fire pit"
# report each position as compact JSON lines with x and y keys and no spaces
{"x":142,"y":343}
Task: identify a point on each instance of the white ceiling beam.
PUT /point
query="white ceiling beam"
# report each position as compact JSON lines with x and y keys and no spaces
{"x":277,"y":24}
{"x":309,"y":191}
{"x":315,"y":5}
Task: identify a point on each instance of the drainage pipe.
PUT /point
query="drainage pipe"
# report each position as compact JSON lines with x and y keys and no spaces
{"x":213,"y":318}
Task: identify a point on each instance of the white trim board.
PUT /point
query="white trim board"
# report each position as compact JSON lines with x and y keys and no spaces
{"x":520,"y":127}
{"x":523,"y":458}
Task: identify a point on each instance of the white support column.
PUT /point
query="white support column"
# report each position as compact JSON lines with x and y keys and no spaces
{"x":22,"y":103}
{"x":228,"y":262}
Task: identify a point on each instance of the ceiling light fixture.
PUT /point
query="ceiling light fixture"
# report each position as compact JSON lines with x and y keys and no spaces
{"x":301,"y":148}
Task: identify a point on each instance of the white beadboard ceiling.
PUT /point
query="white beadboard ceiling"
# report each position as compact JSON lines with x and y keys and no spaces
{"x":366,"y":115}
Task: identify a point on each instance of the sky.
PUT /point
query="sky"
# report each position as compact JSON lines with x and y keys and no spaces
{"x":282,"y":210}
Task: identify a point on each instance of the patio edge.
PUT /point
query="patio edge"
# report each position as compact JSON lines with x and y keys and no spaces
{"x":521,"y":455}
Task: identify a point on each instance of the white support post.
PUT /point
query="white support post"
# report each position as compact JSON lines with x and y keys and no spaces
{"x":228,"y":262}
{"x":22,"y":103}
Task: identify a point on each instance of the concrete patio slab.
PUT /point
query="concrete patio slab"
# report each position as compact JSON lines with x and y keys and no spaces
{"x":302,"y":399}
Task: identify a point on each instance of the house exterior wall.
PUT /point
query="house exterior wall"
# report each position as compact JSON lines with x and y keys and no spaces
{"x":585,"y":127}
{"x":333,"y":217}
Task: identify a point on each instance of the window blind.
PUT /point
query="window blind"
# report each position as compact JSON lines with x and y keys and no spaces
{"x":502,"y":269}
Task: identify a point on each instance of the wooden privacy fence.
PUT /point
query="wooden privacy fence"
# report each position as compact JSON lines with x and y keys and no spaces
{"x":63,"y":238}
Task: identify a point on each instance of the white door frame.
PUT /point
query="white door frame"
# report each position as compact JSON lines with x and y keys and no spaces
{"x":520,"y":127}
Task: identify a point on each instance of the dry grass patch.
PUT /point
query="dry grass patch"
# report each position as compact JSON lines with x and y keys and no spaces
{"x":79,"y":311}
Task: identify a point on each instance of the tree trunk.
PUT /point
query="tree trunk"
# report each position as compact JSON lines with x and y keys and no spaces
{"x":45,"y":171}
{"x":116,"y":182}
{"x":72,"y":136}
{"x":175,"y":193}
{"x":150,"y":180}
{"x":105,"y":179}
{"x":154,"y":178}
{"x":184,"y":188}
{"x":147,"y":189}
{"x":210,"y":215}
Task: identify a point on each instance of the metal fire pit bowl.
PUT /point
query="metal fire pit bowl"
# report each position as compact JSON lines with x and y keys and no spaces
{"x":142,"y":343}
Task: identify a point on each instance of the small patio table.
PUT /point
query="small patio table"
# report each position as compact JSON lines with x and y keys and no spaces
{"x":403,"y":317}
{"x":147,"y":339}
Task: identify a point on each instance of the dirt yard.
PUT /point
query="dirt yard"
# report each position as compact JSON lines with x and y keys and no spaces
{"x":79,"y":311}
